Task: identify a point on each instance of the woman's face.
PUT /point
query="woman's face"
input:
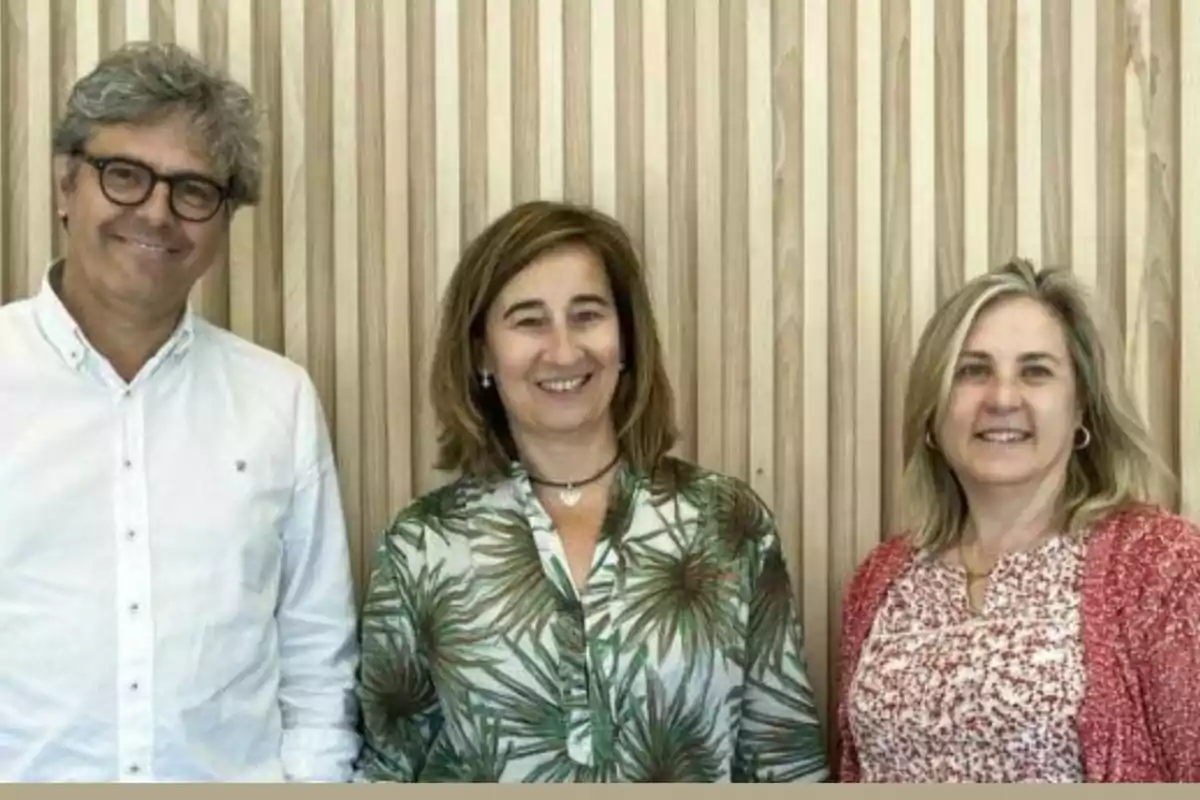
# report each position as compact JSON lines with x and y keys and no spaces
{"x":1013,"y":408}
{"x":553,"y":345}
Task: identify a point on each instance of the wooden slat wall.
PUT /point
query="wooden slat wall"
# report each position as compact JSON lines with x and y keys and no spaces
{"x":807,"y":179}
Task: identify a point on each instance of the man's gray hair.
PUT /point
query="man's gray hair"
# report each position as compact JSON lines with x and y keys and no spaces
{"x":143,"y":82}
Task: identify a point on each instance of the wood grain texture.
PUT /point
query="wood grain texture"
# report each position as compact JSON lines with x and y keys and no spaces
{"x":805,"y":178}
{"x":1188,"y":395}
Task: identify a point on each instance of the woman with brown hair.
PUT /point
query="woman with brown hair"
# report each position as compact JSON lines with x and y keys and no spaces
{"x":1038,"y":621}
{"x":578,"y":605}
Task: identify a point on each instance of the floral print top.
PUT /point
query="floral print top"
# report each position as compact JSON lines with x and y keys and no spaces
{"x":943,"y":694}
{"x":681,"y":660}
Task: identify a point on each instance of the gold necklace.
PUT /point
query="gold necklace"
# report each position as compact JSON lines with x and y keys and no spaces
{"x":973,"y":577}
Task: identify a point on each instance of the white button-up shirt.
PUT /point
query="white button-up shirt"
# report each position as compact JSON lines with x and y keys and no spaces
{"x":175,"y":595}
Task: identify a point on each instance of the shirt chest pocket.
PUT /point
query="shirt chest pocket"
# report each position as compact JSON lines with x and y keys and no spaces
{"x":224,"y":517}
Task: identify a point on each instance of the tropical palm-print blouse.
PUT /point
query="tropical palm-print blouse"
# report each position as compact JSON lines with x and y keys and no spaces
{"x":681,"y":660}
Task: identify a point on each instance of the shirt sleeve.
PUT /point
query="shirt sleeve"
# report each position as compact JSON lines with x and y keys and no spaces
{"x":401,"y":715}
{"x":780,"y":738}
{"x":316,"y":621}
{"x":1170,"y":658}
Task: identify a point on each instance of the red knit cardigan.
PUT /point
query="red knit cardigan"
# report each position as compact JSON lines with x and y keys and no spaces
{"x":1139,"y":720}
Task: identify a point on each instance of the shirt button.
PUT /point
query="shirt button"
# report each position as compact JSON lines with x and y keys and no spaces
{"x":128,"y":463}
{"x":134,"y":769}
{"x":133,"y":608}
{"x":131,"y":534}
{"x":133,"y":687}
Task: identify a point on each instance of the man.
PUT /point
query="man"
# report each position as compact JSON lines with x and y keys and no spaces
{"x":175,"y":601}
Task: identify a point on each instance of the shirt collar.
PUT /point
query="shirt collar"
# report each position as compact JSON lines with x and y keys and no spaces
{"x":67,"y":338}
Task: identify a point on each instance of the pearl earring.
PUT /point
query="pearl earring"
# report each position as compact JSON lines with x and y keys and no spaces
{"x":485,"y":379}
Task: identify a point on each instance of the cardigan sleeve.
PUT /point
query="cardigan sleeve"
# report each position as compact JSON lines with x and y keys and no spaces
{"x":861,"y":601}
{"x":1168,"y":626}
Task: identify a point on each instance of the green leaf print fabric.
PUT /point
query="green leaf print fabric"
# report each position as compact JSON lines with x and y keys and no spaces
{"x":680,"y":660}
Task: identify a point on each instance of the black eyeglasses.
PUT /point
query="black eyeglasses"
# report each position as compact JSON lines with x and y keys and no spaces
{"x":129,"y":183}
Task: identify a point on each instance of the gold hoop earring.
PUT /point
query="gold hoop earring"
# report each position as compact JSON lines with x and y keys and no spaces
{"x":1087,"y":438}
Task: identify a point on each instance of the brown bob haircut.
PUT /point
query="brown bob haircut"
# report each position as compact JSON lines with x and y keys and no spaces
{"x":474,"y":437}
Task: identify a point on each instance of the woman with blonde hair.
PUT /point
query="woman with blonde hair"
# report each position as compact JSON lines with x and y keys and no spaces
{"x":577,"y":605}
{"x":1038,"y":620}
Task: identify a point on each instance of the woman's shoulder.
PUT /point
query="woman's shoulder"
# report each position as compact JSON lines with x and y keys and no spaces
{"x":674,"y":475}
{"x":439,"y":508}
{"x":1147,"y":543}
{"x":882,"y":563}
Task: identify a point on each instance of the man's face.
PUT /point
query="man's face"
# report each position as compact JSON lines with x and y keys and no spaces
{"x":141,"y":259}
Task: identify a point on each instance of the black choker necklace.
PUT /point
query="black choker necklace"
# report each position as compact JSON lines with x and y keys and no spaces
{"x":570,"y":493}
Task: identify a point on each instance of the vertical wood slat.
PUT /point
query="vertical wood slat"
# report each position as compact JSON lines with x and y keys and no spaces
{"x":629,"y":92}
{"x":681,"y":202}
{"x":1136,"y":162}
{"x":950,"y":158}
{"x":787,"y":224}
{"x":1028,"y":176}
{"x":1055,"y":110}
{"x":423,"y":231}
{"x":604,"y":105}
{"x":499,"y":107}
{"x":1003,"y":129}
{"x":1160,"y":311}
{"x":655,"y":183}
{"x":734,"y":288}
{"x":447,"y":191}
{"x":550,"y":98}
{"x":843,"y":313}
{"x":137,"y":20}
{"x":760,"y":245}
{"x":320,"y":303}
{"x":577,"y":101}
{"x":787,"y":46}
{"x":244,"y":293}
{"x":815,"y":468}
{"x":295,"y":184}
{"x":1083,"y":141}
{"x":922,"y":143}
{"x":347,"y":268}
{"x":371,"y":223}
{"x":400,"y":364}
{"x":788,"y":311}
{"x":1110,"y":148}
{"x":710,"y":379}
{"x":162,"y":20}
{"x":897,"y":264}
{"x":977,"y":136}
{"x":525,"y":86}
{"x":1189,"y":258}
{"x":37,"y":197}
{"x":473,"y":117}
{"x":87,"y":36}
{"x":62,"y":78}
{"x":869,"y":524}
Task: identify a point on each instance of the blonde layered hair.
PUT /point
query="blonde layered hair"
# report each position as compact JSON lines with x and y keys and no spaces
{"x":1118,"y":467}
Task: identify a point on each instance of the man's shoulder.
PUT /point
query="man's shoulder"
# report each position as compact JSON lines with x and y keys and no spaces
{"x":19,"y":338}
{"x":14,"y":315}
{"x":246,"y":358}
